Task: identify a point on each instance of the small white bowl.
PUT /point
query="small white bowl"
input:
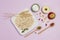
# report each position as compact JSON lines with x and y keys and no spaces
{"x":35,"y":7}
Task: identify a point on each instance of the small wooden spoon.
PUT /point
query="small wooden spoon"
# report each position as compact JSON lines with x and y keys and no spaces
{"x":38,"y":28}
{"x":51,"y":25}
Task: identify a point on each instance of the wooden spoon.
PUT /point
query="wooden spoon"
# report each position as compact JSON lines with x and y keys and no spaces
{"x":38,"y":28}
{"x":51,"y":25}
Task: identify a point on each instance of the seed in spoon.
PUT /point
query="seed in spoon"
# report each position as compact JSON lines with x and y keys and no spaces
{"x":39,"y":27}
{"x":52,"y":24}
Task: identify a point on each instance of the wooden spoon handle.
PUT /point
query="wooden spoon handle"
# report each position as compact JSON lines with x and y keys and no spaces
{"x":43,"y":30}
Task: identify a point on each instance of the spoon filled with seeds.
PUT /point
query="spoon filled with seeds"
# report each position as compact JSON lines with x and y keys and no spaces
{"x":38,"y":28}
{"x":51,"y":25}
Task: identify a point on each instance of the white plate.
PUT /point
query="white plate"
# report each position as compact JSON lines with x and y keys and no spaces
{"x":30,"y":28}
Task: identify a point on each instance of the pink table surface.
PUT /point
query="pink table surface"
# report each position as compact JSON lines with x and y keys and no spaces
{"x":8,"y":32}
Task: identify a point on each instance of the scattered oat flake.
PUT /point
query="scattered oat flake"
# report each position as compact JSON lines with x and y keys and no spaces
{"x":45,"y":24}
{"x":39,"y":19}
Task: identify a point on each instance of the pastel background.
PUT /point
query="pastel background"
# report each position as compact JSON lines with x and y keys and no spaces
{"x":8,"y":32}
